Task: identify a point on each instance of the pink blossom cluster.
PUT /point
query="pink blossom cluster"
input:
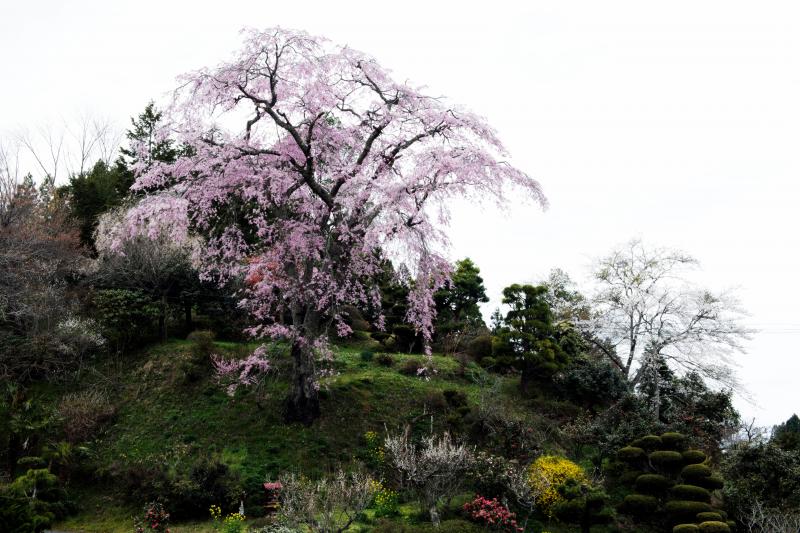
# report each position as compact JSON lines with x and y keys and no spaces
{"x":241,"y":371}
{"x":492,"y":514}
{"x":309,"y":165}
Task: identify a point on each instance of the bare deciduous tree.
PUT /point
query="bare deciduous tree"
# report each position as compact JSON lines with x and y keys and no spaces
{"x":760,"y":519}
{"x":645,"y":312}
{"x":435,"y":468}
{"x":329,"y":505}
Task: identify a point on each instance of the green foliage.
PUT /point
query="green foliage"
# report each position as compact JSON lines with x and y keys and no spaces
{"x":93,"y":193}
{"x":691,"y":492}
{"x":693,"y":457}
{"x":639,"y":505}
{"x":591,"y":383}
{"x":385,"y":359}
{"x":367,"y":355}
{"x":673,"y":441}
{"x":631,"y":454}
{"x":685,"y":509}
{"x":648,"y":443}
{"x":764,"y":472}
{"x":41,"y":493}
{"x":480,"y":347}
{"x":710,"y":516}
{"x":145,"y":145}
{"x":787,"y":435}
{"x":711,"y":482}
{"x":685,"y":528}
{"x":126,"y":315}
{"x":652,"y":484}
{"x":666,"y":460}
{"x":695,"y":472}
{"x":530,"y":334}
{"x":583,"y":504}
{"x":458,"y":302}
{"x":714,"y":527}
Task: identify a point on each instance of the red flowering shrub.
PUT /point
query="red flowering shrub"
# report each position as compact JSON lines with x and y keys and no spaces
{"x":492,"y":514}
{"x":156,"y":519}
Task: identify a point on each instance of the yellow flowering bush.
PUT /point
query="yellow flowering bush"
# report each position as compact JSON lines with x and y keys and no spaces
{"x":384,"y":499}
{"x":546,"y":475}
{"x":233,"y":523}
{"x":377,"y":454}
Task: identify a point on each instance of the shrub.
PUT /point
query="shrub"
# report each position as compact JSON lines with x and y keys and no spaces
{"x":685,"y":528}
{"x":652,"y":484}
{"x":411,"y":367}
{"x":480,"y":347}
{"x":375,"y":450}
{"x":83,"y":413}
{"x":639,"y":504}
{"x":328,"y":504}
{"x":384,"y":500}
{"x":673,"y":441}
{"x":385,"y":359}
{"x":695,"y":472}
{"x":693,"y":457}
{"x":492,"y":514}
{"x":435,"y":469}
{"x":630,"y":454}
{"x":683,"y":509}
{"x":711,"y":482}
{"x":648,"y":443}
{"x":691,"y":492}
{"x":709,"y":517}
{"x":202,"y":343}
{"x":667,"y":460}
{"x":590,"y":383}
{"x":155,"y":519}
{"x":367,"y":355}
{"x":714,"y":527}
{"x":546,"y":475}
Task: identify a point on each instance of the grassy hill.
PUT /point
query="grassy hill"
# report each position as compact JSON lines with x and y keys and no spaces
{"x":170,"y":412}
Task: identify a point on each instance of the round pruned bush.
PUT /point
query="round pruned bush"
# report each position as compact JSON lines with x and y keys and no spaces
{"x":639,"y":504}
{"x":692,"y":473}
{"x":685,"y":510}
{"x":630,"y":454}
{"x":648,"y":442}
{"x":666,"y":460}
{"x":367,"y":355}
{"x":691,"y":493}
{"x":711,"y":482}
{"x":712,"y":516}
{"x":685,"y":528}
{"x":652,"y":484}
{"x":673,"y":441}
{"x":202,"y":343}
{"x":411,"y":367}
{"x":693,"y":457}
{"x":384,"y":359}
{"x":714,"y":527}
{"x":480,"y":347}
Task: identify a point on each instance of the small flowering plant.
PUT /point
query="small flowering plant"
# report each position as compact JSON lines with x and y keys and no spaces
{"x":233,"y":523}
{"x":384,"y":499}
{"x":492,"y":514}
{"x":156,"y":519}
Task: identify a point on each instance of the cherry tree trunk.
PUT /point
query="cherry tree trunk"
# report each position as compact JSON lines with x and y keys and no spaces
{"x":302,"y":405}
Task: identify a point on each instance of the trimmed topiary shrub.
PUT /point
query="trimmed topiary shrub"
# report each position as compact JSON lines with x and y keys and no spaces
{"x":693,"y":457}
{"x":711,"y":482}
{"x":691,"y":492}
{"x":696,"y":472}
{"x":685,"y":528}
{"x":714,"y":527}
{"x":648,"y":442}
{"x":673,"y":441}
{"x":667,"y":460}
{"x":709,"y":517}
{"x":630,"y":454}
{"x":652,"y":484}
{"x":639,"y":504}
{"x":685,"y":510}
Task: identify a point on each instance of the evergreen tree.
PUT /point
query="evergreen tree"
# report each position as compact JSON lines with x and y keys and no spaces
{"x":145,"y":145}
{"x":787,"y":435}
{"x":531,"y":336}
{"x":458,"y":304}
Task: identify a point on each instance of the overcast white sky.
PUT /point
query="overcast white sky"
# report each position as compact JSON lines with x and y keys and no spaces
{"x":675,"y":121}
